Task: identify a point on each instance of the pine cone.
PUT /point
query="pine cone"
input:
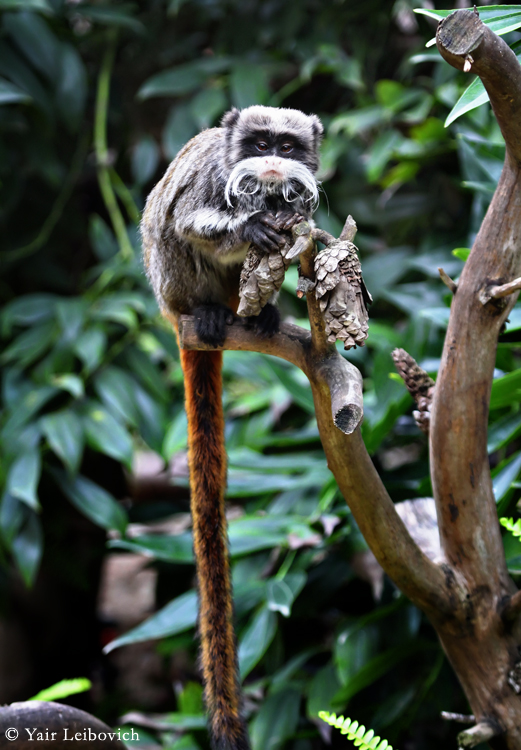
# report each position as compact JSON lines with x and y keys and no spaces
{"x":261,"y":277}
{"x":342,"y":294}
{"x":419,"y":384}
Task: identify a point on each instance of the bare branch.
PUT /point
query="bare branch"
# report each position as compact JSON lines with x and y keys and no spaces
{"x":460,"y":718}
{"x":482,"y":732}
{"x":461,"y":37}
{"x":448,"y":281}
{"x":337,"y":393}
{"x":458,"y":435}
{"x":64,"y":721}
{"x":293,"y":344}
{"x":498,"y":292}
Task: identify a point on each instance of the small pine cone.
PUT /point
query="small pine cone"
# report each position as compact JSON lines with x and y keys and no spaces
{"x":419,"y":384}
{"x":261,"y":277}
{"x":342,"y":295}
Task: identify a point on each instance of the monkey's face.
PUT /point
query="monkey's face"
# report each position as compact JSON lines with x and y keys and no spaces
{"x":271,"y":151}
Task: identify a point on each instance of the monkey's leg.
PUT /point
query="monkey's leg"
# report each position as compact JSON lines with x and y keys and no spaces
{"x":211,"y":321}
{"x":267,"y":322}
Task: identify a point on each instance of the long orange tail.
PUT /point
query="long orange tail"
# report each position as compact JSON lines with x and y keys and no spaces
{"x":207,"y":461}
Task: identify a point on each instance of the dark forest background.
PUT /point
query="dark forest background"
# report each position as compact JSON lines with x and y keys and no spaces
{"x":95,"y":99}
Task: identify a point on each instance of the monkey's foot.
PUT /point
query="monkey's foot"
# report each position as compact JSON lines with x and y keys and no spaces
{"x":211,"y":322}
{"x":267,"y":322}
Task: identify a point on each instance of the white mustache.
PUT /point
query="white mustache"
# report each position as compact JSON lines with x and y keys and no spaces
{"x":297,"y":180}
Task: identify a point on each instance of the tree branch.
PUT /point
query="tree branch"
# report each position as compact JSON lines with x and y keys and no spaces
{"x":337,"y":392}
{"x":293,"y":344}
{"x":459,"y":462}
{"x":482,"y":732}
{"x":62,"y":720}
{"x":463,"y":38}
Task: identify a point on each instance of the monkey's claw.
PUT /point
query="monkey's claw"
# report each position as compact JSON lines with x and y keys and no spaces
{"x":267,"y":322}
{"x":211,"y":322}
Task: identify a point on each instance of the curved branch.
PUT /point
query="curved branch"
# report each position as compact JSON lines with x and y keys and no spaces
{"x":337,"y":393}
{"x":463,"y":39}
{"x":294,"y":344}
{"x":461,"y":479}
{"x":57,"y":725}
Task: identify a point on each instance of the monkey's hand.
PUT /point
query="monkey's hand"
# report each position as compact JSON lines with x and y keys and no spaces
{"x":269,"y":231}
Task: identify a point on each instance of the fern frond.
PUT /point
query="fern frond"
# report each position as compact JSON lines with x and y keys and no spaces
{"x":356,"y":732}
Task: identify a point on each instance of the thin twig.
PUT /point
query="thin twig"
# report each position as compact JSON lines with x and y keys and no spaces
{"x":460,"y":718}
{"x":497,"y":292}
{"x":482,"y":732}
{"x":450,"y":283}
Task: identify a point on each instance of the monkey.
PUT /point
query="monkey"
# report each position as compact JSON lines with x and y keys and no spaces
{"x":245,"y":182}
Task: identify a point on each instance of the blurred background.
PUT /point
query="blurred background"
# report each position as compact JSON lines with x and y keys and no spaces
{"x":95,"y":546}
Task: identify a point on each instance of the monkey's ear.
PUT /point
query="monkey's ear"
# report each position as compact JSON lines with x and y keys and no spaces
{"x":230,"y":118}
{"x":318,"y":128}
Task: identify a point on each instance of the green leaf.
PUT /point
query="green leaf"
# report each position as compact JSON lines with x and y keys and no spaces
{"x":23,"y":478}
{"x":90,"y":347}
{"x":178,"y":615}
{"x":506,"y":390}
{"x":282,"y":594}
{"x":11,"y":94}
{"x":256,"y":639}
{"x":207,"y":105}
{"x":71,"y":86}
{"x":376,"y":668}
{"x":27,"y":310}
{"x":107,"y":435}
{"x":177,"y":81}
{"x":175,"y":437}
{"x":145,"y":159}
{"x":503,"y":431}
{"x":277,"y":719}
{"x":107,"y":16}
{"x":116,"y":389}
{"x":355,"y":647}
{"x":41,"y":6}
{"x":64,"y":433}
{"x":11,"y":517}
{"x":70,"y":383}
{"x":93,"y":501}
{"x":249,"y":85}
{"x":462,"y":253}
{"x":177,"y":549}
{"x":179,"y":128}
{"x":504,"y":474}
{"x":322,"y":689}
{"x":301,"y":394}
{"x":27,"y":548}
{"x":31,"y":344}
{"x":34,"y":37}
{"x":474,"y":96}
{"x":63,"y":689}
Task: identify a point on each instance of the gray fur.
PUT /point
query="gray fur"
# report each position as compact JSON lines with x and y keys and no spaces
{"x":191,"y":233}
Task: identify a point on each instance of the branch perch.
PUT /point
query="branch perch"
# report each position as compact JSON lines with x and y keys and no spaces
{"x":62,"y":720}
{"x":482,"y":732}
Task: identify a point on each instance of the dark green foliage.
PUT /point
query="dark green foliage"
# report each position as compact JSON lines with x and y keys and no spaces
{"x":89,"y":368}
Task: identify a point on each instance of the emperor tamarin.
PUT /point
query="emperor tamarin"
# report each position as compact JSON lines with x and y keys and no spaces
{"x":246,"y":182}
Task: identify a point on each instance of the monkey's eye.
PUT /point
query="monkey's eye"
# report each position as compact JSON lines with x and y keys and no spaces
{"x":262,"y":146}
{"x":286,"y":148}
